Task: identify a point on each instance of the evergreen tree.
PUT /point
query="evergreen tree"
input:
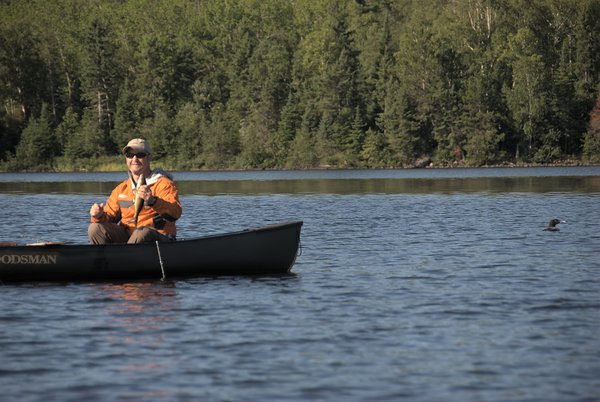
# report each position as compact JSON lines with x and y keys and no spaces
{"x":221,"y":139}
{"x":22,"y":73}
{"x":302,"y":152}
{"x":528,"y":95}
{"x":89,"y":142}
{"x":190,"y":126}
{"x":66,"y":130}
{"x":100,"y":71}
{"x":126,"y":117}
{"x":587,"y":49}
{"x":375,"y":150}
{"x":161,"y":133}
{"x":355,"y":139}
{"x":37,"y":146}
{"x":591,"y":141}
{"x":289,"y":124}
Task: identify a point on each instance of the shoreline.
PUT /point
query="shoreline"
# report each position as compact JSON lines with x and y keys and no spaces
{"x":505,"y":165}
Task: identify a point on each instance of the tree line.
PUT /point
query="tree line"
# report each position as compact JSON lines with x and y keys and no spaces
{"x":298,"y":83}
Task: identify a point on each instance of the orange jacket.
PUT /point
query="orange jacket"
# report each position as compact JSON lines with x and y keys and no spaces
{"x":160,"y":216}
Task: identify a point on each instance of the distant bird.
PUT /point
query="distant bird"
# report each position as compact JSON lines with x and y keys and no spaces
{"x":552,"y":225}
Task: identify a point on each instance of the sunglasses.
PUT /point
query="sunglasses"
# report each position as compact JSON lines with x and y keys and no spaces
{"x":139,"y":155}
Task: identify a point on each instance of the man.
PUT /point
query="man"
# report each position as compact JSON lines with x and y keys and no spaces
{"x":114,"y":222}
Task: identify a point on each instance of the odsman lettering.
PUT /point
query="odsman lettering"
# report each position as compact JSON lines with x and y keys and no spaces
{"x":28,"y":259}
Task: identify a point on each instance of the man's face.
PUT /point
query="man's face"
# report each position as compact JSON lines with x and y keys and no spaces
{"x":138,"y":162}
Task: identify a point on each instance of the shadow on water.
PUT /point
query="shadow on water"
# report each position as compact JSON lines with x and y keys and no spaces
{"x":581,"y":184}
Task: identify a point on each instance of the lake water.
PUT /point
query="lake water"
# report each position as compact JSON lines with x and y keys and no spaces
{"x":416,"y":285}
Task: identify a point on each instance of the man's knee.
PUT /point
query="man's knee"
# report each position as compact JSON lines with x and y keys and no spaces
{"x":106,"y":233}
{"x":97,"y":233}
{"x":147,"y":235}
{"x":141,"y":235}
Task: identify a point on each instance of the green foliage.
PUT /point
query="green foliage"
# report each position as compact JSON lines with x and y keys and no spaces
{"x":374,"y":151}
{"x":286,"y":131}
{"x":190,"y":127}
{"x":271,"y":84}
{"x":528,"y":94}
{"x":67,"y":130}
{"x":89,"y":142}
{"x":126,"y":117}
{"x":549,"y":151}
{"x":591,"y":146}
{"x":591,"y":139}
{"x":160,"y":131}
{"x":302,"y":151}
{"x":37,"y":146}
{"x":221,"y":139}
{"x":482,"y":146}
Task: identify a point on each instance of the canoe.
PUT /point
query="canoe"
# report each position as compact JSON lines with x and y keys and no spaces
{"x":264,"y":250}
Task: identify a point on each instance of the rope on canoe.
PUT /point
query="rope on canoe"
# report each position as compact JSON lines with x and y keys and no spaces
{"x":162,"y":268}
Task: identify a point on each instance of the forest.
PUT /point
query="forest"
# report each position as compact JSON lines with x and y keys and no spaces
{"x":296,"y":84}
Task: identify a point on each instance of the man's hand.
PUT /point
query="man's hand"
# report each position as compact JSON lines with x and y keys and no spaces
{"x":145,"y":192}
{"x":97,"y":210}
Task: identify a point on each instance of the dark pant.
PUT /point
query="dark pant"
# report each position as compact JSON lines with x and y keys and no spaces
{"x":109,"y":233}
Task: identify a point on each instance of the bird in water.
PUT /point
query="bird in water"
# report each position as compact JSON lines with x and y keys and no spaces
{"x":552,"y":225}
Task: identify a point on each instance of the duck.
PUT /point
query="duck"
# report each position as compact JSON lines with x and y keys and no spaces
{"x":552,"y":225}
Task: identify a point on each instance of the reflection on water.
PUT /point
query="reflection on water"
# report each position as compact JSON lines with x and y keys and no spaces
{"x":580,"y":184}
{"x":135,"y":297}
{"x":317,"y":174}
{"x":584,"y":179}
{"x":135,"y":316}
{"x":137,"y":308}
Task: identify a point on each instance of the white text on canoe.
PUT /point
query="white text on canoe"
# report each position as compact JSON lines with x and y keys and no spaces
{"x":28,"y":259}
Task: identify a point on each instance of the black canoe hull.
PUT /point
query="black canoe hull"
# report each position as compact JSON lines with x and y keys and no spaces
{"x":258,"y":251}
